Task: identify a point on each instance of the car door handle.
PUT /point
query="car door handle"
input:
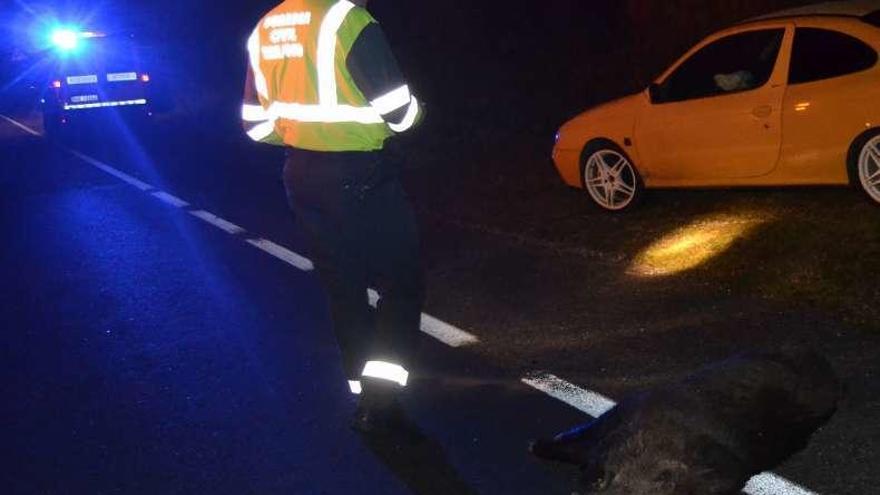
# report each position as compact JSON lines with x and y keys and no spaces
{"x":763,"y":111}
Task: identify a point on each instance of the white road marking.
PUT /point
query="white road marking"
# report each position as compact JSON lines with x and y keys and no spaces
{"x":21,"y":126}
{"x":771,"y":484}
{"x":282,"y":253}
{"x":446,"y":333}
{"x":584,"y":400}
{"x":143,"y":186}
{"x":224,"y":225}
{"x":169,"y":199}
{"x":596,"y":405}
{"x":373,"y":296}
{"x":440,"y":330}
{"x":589,"y":402}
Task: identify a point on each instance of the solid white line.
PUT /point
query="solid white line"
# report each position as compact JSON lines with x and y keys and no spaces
{"x":143,"y":186}
{"x":446,"y":333}
{"x":282,"y":253}
{"x":224,"y":225}
{"x":596,"y":405}
{"x":169,"y":199}
{"x":21,"y":126}
{"x":589,"y":402}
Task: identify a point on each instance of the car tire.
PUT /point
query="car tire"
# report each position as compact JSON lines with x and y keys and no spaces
{"x":610,"y":177}
{"x":864,"y":164}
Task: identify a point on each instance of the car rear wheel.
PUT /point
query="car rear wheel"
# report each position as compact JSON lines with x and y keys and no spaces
{"x":869,"y":168}
{"x":610,"y":178}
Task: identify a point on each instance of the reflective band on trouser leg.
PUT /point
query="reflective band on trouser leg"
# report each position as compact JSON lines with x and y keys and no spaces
{"x":392,"y":100}
{"x":355,"y":387}
{"x":411,"y":114}
{"x":386,"y":371}
{"x":327,"y":51}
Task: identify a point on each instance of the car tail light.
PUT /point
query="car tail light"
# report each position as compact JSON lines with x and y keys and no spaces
{"x":56,"y":84}
{"x":145,"y":78}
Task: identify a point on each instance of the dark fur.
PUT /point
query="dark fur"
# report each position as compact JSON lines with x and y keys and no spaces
{"x":707,"y":435}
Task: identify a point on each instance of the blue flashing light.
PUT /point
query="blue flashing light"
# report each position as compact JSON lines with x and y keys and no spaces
{"x":65,"y":39}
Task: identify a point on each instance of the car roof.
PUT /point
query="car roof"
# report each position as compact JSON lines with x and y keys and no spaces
{"x":848,"y":8}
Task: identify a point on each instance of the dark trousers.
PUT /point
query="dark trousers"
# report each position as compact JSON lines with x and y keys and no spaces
{"x":363,"y":234}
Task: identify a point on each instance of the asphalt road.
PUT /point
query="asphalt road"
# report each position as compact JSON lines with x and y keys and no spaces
{"x":147,"y":350}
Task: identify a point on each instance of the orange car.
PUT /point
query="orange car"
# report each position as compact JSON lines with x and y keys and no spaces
{"x":787,"y":99}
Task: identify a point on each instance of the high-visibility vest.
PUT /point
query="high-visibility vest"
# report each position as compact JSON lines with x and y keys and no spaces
{"x":303,"y":94}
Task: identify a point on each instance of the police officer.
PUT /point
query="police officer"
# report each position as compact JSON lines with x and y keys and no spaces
{"x":323,"y":82}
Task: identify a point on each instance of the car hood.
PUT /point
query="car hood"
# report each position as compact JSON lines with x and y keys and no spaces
{"x":622,"y":107}
{"x":614,"y":120}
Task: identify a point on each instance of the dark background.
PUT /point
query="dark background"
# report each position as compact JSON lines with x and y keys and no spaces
{"x":509,"y":66}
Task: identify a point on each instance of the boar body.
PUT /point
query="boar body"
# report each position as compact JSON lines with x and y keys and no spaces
{"x":707,"y":435}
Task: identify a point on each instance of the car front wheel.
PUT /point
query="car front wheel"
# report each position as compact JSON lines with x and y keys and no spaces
{"x":869,"y":168}
{"x":610,"y":177}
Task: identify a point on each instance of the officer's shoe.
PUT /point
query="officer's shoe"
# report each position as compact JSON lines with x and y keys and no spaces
{"x":378,"y":410}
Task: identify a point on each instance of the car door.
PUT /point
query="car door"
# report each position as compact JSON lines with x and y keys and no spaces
{"x":831,"y":86}
{"x":717,"y":115}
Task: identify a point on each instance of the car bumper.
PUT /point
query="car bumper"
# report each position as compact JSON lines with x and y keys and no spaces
{"x":567,"y":163}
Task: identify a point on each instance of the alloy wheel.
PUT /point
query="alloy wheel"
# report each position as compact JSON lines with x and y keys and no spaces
{"x":611,"y":179}
{"x":869,"y":168}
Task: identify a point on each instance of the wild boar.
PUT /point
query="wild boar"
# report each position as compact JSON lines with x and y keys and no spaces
{"x":707,"y":435}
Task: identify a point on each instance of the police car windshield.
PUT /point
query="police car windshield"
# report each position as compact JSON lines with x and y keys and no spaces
{"x":106,"y":54}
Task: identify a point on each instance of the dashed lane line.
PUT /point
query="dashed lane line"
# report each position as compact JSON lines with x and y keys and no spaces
{"x":771,"y":484}
{"x":143,"y":186}
{"x":440,"y":330}
{"x":434,"y":327}
{"x":446,"y":333}
{"x":596,"y":405}
{"x":373,"y":297}
{"x":224,"y":225}
{"x":584,"y":400}
{"x":282,"y":253}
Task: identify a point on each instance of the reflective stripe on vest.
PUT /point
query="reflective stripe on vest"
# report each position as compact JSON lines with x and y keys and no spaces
{"x":327,"y":110}
{"x":383,"y":105}
{"x":327,"y":52}
{"x":253,"y":47}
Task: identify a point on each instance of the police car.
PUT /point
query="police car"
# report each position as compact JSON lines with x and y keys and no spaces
{"x":95,"y":75}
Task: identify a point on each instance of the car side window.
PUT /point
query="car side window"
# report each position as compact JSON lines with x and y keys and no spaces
{"x":822,"y":54}
{"x":739,"y":62}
